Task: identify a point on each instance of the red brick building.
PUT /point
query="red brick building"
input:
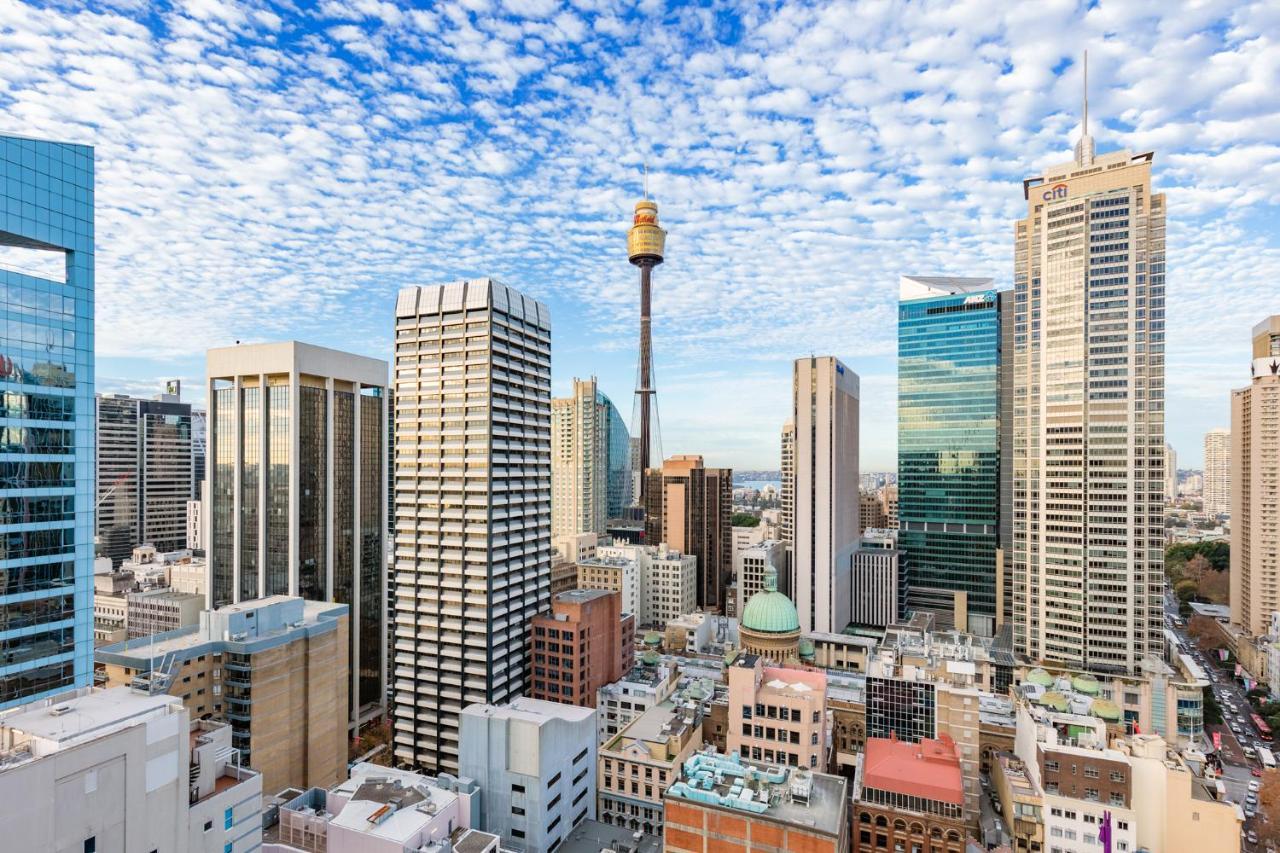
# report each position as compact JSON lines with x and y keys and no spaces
{"x":584,"y":643}
{"x":908,"y":796}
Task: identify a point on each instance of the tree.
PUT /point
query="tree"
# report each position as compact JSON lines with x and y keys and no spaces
{"x":744,"y":519}
{"x":1206,"y":633}
{"x":1212,"y":711}
{"x":1214,"y":586}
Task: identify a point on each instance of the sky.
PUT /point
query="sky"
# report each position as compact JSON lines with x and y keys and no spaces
{"x":268,"y":171}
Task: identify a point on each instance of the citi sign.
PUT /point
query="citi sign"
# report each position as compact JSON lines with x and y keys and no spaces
{"x":1055,"y":193}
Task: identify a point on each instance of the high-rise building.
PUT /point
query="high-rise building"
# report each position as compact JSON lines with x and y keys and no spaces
{"x":877,"y":579}
{"x":473,"y":505}
{"x":590,"y":461}
{"x":786,"y":515}
{"x":145,"y":472}
{"x":949,"y":441}
{"x":1255,"y":493}
{"x":585,"y":642}
{"x":689,"y":507}
{"x":824,"y":490}
{"x":871,"y":515}
{"x":1170,"y":473}
{"x":1217,"y":472}
{"x":199,"y":448}
{"x":296,"y":490}
{"x":1088,"y":515}
{"x":46,"y":369}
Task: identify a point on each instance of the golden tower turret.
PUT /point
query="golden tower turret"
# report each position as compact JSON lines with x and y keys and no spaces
{"x":645,"y":240}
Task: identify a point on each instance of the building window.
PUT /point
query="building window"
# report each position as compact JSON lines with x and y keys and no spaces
{"x":517,"y":810}
{"x":1117,"y":799}
{"x":91,"y":844}
{"x":208,"y":825}
{"x":1117,"y":776}
{"x":226,"y":819}
{"x":1051,"y":766}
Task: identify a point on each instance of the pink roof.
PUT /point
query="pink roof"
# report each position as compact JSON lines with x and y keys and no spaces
{"x":812,"y":678}
{"x":928,"y":769}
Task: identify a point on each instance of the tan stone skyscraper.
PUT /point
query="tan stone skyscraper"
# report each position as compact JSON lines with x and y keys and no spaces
{"x":1217,"y":471}
{"x":1088,"y":381}
{"x":688,"y":506}
{"x":590,"y":465}
{"x":1255,"y":493}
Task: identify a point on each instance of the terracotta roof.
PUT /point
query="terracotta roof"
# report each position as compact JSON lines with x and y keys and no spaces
{"x":928,"y":769}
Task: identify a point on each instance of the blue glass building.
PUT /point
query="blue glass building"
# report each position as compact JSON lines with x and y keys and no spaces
{"x":618,"y":458}
{"x":46,"y":421}
{"x":949,"y":444}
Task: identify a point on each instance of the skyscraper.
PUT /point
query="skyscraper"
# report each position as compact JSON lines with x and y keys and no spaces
{"x":473,"y":505}
{"x":1088,"y":452}
{"x":689,"y":506}
{"x":949,"y":442}
{"x":1255,"y":492}
{"x":1217,"y":472}
{"x":645,"y":244}
{"x":145,"y":471}
{"x":1170,"y":473}
{"x":590,"y":461}
{"x":47,"y":418}
{"x":786,"y":514}
{"x":824,"y":489}
{"x":296,"y":490}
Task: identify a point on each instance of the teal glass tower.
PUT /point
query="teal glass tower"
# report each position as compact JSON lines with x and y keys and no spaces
{"x":46,"y":419}
{"x":618,"y":458}
{"x":949,"y":447}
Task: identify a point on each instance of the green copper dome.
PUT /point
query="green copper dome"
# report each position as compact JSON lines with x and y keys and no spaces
{"x":1040,"y":676}
{"x":769,"y":611}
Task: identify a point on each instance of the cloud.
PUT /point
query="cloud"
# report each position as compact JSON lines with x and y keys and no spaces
{"x":267,"y":172}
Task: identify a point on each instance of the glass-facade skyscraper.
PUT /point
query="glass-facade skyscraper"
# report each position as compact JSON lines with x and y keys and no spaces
{"x":46,"y":420}
{"x":949,"y":445}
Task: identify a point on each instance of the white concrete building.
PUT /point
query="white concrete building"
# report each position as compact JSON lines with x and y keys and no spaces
{"x":749,"y":564}
{"x":1170,"y":472}
{"x":743,"y":538}
{"x":120,"y":770}
{"x":473,"y":505}
{"x":195,"y":522}
{"x":876,"y":577}
{"x":824,"y":491}
{"x":1217,"y":472}
{"x":622,"y":701}
{"x":535,"y":764}
{"x":668,"y":585}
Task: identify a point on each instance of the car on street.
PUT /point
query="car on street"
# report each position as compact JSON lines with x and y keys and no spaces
{"x":1256,"y":772}
{"x":1254,"y":785}
{"x":1252,"y":836}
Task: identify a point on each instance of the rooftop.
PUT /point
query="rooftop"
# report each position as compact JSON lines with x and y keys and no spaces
{"x":580,"y":596}
{"x":46,"y":726}
{"x":654,"y":728}
{"x":592,"y":836}
{"x":795,"y":796}
{"x":929,"y":769}
{"x":531,"y":710}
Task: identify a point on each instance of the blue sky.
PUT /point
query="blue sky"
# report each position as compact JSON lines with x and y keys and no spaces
{"x":270,"y":171}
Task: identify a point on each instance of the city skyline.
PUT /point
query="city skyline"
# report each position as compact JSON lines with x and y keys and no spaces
{"x":296,"y":187}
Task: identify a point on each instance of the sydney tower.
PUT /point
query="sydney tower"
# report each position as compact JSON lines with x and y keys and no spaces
{"x":645,"y":242}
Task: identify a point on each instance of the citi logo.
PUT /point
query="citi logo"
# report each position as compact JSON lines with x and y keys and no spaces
{"x":1055,"y":192}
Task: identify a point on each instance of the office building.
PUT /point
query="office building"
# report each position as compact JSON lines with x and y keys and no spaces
{"x":1088,"y":386}
{"x":195,"y":525}
{"x":384,"y":810}
{"x":199,"y":446}
{"x":637,"y":765}
{"x":46,"y":472}
{"x":144,"y":473}
{"x":296,"y":490}
{"x":949,"y":442}
{"x":1217,"y":472}
{"x":1021,"y":801}
{"x":871,"y":514}
{"x":590,"y":461}
{"x":619,"y":702}
{"x":535,"y":763}
{"x":118,"y":769}
{"x":732,"y":804}
{"x":688,"y":507}
{"x":824,"y":489}
{"x":473,"y":498}
{"x":889,"y":505}
{"x":274,"y":668}
{"x":668,"y":585}
{"x":787,"y":469}
{"x":876,"y":579}
{"x":1255,"y":492}
{"x":908,"y":795}
{"x":749,"y":565}
{"x":777,"y":715}
{"x":616,"y":569}
{"x":154,"y":611}
{"x":742,"y":538}
{"x":584,"y":643}
{"x":1170,"y":473}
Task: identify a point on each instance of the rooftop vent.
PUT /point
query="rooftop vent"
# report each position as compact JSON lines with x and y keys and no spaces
{"x":59,"y":710}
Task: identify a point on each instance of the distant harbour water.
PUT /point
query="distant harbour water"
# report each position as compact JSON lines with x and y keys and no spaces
{"x":757,"y":484}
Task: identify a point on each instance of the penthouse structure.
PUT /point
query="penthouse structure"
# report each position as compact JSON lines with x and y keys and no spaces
{"x":296,"y":491}
{"x":726,"y":803}
{"x":473,"y":498}
{"x":275,"y":669}
{"x":120,"y":769}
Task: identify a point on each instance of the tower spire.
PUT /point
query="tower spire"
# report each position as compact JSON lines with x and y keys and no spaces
{"x":1084,"y":148}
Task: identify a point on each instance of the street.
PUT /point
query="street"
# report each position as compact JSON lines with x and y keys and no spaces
{"x":1236,"y":731}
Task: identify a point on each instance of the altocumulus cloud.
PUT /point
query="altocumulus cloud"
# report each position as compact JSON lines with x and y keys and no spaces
{"x":266,"y":170}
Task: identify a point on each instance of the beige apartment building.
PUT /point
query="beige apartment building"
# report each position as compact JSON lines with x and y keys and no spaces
{"x":1217,"y":472}
{"x":585,"y":427}
{"x":1255,"y":496}
{"x":641,"y":761}
{"x":1088,"y":385}
{"x":688,"y":506}
{"x":787,"y":512}
{"x":776,"y":714}
{"x":275,"y":669}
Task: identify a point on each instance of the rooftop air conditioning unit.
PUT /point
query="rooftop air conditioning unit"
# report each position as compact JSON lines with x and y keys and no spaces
{"x":59,"y":710}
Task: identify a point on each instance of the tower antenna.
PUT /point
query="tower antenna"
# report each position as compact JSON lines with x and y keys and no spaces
{"x":646,"y":181}
{"x":1084,"y":148}
{"x":1086,"y":92}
